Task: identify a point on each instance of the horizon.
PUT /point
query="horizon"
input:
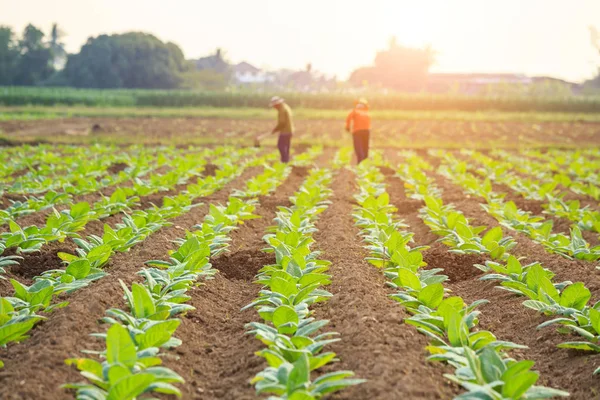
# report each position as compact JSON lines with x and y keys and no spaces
{"x":545,"y":38}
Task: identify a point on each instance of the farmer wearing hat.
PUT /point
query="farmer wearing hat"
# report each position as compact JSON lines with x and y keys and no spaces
{"x":360,"y":122}
{"x":284,"y":127}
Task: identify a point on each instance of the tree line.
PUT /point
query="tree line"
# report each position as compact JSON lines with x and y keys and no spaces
{"x":131,"y":60}
{"x":137,"y":60}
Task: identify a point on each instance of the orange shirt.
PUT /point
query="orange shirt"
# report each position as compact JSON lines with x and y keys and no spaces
{"x":360,"y":120}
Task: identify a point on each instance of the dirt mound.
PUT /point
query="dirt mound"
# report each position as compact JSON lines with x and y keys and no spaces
{"x":242,"y":265}
{"x":34,"y":264}
{"x":116,"y":168}
{"x":458,"y":267}
{"x":210,"y":169}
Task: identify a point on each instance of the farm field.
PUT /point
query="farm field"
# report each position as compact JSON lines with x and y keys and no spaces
{"x":422,"y":131}
{"x":151,"y":258}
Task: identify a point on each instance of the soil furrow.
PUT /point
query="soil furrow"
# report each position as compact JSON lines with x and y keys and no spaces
{"x":374,"y":342}
{"x":67,"y":330}
{"x":217,"y":358}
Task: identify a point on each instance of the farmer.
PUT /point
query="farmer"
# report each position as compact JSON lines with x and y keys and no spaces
{"x":285,"y":127}
{"x":360,"y":122}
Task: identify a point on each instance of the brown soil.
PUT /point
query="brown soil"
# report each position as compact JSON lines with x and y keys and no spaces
{"x":374,"y":342}
{"x":409,"y":133}
{"x":34,"y":264}
{"x":217,"y":358}
{"x":210,"y":169}
{"x":67,"y":330}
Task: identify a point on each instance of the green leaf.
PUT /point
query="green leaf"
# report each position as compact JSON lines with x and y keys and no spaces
{"x":299,"y":377}
{"x":119,"y":346}
{"x":432,"y":295}
{"x":130,"y":387}
{"x":285,"y":319}
{"x":80,"y":209}
{"x":283,"y":286}
{"x":79,"y":268}
{"x":575,"y":296}
{"x":518,"y":385}
{"x":408,"y":279}
{"x":143,"y":306}
{"x":513,"y":265}
{"x":595,"y":320}
{"x":493,"y":235}
{"x":585,"y":346}
{"x":116,"y":372}
{"x":301,"y":395}
{"x":492,"y":365}
{"x":158,"y":334}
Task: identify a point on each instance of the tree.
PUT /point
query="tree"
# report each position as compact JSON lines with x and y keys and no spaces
{"x":130,"y":60}
{"x":399,"y":67}
{"x":57,"y":47}
{"x":35,"y":62}
{"x":9,"y":56}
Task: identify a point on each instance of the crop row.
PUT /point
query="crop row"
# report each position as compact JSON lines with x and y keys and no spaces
{"x":567,"y":301}
{"x":41,"y":158}
{"x":67,"y":223}
{"x":537,"y":228}
{"x":290,"y":286}
{"x":482,"y":366}
{"x":19,"y":313}
{"x":18,"y":96}
{"x":573,"y":177}
{"x":542,"y":190}
{"x":139,"y":333}
{"x":77,"y":173}
{"x":139,"y":165}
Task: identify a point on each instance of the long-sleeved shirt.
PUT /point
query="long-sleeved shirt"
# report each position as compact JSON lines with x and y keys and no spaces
{"x":359,"y":119}
{"x":284,"y":120}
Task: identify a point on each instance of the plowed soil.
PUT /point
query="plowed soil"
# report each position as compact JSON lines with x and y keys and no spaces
{"x":409,"y":133}
{"x":374,"y":342}
{"x":217,"y":358}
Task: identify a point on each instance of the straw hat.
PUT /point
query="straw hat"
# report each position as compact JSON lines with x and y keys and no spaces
{"x":275,"y":100}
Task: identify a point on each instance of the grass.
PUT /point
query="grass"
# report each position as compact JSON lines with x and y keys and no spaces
{"x":53,"y":112}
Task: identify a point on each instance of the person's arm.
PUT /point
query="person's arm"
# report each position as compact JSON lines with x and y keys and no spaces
{"x":349,"y":119}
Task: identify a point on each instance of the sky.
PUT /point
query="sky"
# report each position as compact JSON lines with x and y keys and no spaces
{"x":534,"y":37}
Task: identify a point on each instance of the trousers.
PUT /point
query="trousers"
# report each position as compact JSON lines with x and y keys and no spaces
{"x":283,"y":144}
{"x":361,"y":145}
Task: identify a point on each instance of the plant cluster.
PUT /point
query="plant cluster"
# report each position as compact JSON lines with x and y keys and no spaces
{"x":95,"y":252}
{"x":482,"y":366}
{"x":294,"y":343}
{"x":567,"y":301}
{"x":151,"y":320}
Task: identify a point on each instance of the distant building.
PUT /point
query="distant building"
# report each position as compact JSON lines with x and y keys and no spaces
{"x":471,"y":83}
{"x":475,"y":83}
{"x":215,"y":62}
{"x":246,"y":73}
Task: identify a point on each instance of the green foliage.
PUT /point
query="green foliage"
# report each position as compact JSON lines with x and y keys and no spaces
{"x":144,"y":62}
{"x":9,"y":56}
{"x":35,"y":61}
{"x":126,"y":373}
{"x":481,"y":364}
{"x":390,"y":106}
{"x":290,"y":287}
